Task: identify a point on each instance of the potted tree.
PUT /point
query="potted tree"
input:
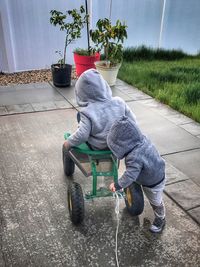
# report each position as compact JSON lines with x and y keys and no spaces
{"x":109,"y":38}
{"x":71,"y":23}
{"x":84,"y":58}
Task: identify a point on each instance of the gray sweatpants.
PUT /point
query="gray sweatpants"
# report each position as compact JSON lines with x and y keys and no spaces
{"x":154,"y":195}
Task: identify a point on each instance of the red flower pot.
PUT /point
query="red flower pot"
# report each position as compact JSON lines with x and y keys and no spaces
{"x":84,"y":63}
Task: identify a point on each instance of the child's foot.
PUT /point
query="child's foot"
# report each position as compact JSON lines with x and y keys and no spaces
{"x":157,"y":225}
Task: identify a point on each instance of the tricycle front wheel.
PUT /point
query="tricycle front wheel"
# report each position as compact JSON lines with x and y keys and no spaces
{"x":75,"y":203}
{"x":68,"y":164}
{"x":134,"y":199}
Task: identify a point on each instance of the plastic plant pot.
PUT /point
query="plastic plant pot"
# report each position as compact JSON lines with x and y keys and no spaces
{"x":61,"y":75}
{"x":84,"y":63}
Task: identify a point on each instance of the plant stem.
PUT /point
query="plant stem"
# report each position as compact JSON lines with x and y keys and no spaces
{"x":106,"y":51}
{"x":65,"y":50}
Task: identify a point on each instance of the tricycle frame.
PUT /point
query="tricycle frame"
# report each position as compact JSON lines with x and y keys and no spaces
{"x":94,"y":156}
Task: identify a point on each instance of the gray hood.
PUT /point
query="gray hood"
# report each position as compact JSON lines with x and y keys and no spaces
{"x":123,"y":136}
{"x":91,"y":87}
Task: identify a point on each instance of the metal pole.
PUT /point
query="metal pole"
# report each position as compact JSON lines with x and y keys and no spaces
{"x":90,"y":14}
{"x":161,"y":25}
{"x":110,"y":11}
{"x":88,"y":36}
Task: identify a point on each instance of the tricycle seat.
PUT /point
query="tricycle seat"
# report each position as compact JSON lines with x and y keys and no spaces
{"x":89,"y":161}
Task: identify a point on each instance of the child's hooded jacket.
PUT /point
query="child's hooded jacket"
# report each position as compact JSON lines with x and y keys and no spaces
{"x":99,"y":110}
{"x":144,"y":165}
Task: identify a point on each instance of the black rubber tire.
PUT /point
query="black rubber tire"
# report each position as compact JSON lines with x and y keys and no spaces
{"x":68,"y":164}
{"x":134,"y":199}
{"x":75,"y":203}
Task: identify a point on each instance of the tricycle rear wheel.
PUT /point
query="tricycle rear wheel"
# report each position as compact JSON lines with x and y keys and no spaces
{"x":68,"y":164}
{"x":134,"y":199}
{"x":75,"y":203}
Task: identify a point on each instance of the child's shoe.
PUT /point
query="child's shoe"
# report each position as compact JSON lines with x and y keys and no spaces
{"x":157,"y":225}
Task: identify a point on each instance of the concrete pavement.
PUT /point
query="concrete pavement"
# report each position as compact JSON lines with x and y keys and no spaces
{"x":35,"y":226}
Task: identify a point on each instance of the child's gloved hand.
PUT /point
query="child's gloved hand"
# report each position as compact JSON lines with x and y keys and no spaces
{"x":112,"y":187}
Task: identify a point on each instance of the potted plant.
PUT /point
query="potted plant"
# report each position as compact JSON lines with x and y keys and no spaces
{"x":109,"y":38}
{"x":84,"y":58}
{"x":71,"y":23}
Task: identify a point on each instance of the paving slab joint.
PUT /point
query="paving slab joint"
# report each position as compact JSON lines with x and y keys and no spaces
{"x":54,"y":87}
{"x":181,"y":207}
{"x":197,"y":206}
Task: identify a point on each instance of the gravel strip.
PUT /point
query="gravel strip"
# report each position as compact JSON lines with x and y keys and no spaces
{"x":25,"y":77}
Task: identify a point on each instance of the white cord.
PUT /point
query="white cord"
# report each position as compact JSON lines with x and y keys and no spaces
{"x":116,"y":194}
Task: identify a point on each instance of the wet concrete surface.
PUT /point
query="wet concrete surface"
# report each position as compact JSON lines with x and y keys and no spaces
{"x":35,"y":226}
{"x":29,"y":93}
{"x":168,"y":137}
{"x":189,"y":162}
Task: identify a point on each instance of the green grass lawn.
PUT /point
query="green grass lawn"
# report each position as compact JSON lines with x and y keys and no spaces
{"x":173,"y":82}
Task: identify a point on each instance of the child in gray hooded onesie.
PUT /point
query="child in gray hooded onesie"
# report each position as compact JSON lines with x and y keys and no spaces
{"x":143,"y":163}
{"x":98,"y":110}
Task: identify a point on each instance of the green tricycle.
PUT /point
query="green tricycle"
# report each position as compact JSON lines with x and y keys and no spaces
{"x":95,"y":163}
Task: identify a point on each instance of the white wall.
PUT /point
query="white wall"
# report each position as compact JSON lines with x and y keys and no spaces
{"x":7,"y":56}
{"x":30,"y":37}
{"x":3,"y":58}
{"x":182,"y":25}
{"x":29,"y":41}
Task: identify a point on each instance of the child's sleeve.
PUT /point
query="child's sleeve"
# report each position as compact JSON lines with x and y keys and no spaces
{"x":133,"y":169}
{"x":129,"y":113}
{"x":82,"y":133}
